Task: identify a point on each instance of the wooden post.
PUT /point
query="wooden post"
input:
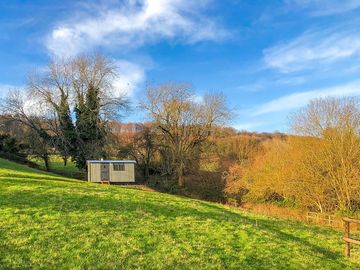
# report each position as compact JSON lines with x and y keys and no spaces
{"x":329,"y":219}
{"x":347,"y":238}
{"x":347,"y":235}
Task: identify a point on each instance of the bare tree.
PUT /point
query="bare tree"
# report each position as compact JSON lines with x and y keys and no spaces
{"x":324,"y":114}
{"x":19,"y":107}
{"x":97,"y":72}
{"x":72,"y":102}
{"x":141,"y":147}
{"x":184,"y":123}
{"x":52,"y":90}
{"x":80,"y":89}
{"x":335,"y":159}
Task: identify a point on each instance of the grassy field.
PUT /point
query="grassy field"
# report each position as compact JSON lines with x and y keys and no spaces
{"x":48,"y":222}
{"x":57,"y":164}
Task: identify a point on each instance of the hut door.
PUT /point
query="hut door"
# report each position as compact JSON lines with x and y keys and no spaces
{"x":105,"y":174}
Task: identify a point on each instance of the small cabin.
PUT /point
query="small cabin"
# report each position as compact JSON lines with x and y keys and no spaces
{"x":111,"y":171}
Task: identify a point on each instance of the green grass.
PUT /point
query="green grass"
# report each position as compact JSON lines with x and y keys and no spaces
{"x":50,"y":222}
{"x":57,"y":164}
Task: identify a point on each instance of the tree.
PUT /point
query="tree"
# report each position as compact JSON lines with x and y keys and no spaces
{"x":335,"y":161}
{"x":90,"y":129}
{"x":52,"y":90}
{"x":305,"y":177}
{"x":9,"y":144}
{"x":16,"y":108}
{"x":66,"y":133}
{"x":317,"y":168}
{"x":80,"y":94}
{"x":38,"y":147}
{"x":141,"y":147}
{"x":183,"y":124}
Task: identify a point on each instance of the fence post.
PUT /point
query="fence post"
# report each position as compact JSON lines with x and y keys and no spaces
{"x":347,"y":235}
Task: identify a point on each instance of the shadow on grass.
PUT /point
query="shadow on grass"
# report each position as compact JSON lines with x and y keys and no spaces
{"x":15,"y":179}
{"x":274,"y":226}
{"x":49,"y":200}
{"x":69,"y":201}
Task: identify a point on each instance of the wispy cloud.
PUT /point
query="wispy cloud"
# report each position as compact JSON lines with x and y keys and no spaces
{"x":325,"y":7}
{"x":130,"y":77}
{"x":129,"y":25}
{"x":313,"y":50}
{"x":299,"y":99}
{"x":133,"y":24}
{"x":267,"y":83}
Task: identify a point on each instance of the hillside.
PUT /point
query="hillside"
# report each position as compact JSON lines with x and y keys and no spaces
{"x":52,"y":222}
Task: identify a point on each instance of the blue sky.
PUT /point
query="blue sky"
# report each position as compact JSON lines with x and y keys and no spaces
{"x":268,"y":57}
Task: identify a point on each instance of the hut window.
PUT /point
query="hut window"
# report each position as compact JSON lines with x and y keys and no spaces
{"x":119,"y":166}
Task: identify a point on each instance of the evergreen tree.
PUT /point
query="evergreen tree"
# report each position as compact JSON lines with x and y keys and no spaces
{"x":67,"y":135}
{"x":91,"y":131}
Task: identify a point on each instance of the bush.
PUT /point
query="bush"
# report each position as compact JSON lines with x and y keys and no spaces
{"x":8,"y":144}
{"x":206,"y":186}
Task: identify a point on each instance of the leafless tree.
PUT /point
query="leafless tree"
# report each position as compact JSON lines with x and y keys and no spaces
{"x":97,"y":72}
{"x":18,"y":107}
{"x":183,"y":122}
{"x":63,"y":90}
{"x":141,"y":147}
{"x":335,"y":160}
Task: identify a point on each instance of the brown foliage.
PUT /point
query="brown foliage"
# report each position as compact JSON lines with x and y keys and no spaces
{"x":319,"y":170}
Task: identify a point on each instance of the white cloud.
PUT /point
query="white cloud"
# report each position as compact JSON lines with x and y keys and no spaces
{"x":249,"y":126}
{"x":5,"y":88}
{"x":133,"y":24}
{"x":326,"y":7}
{"x":130,"y":77}
{"x":31,"y":105}
{"x":198,"y":98}
{"x":299,"y":99}
{"x":314,"y":49}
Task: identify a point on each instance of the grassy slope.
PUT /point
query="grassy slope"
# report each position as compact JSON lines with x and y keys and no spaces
{"x":57,"y":164}
{"x":50,"y":222}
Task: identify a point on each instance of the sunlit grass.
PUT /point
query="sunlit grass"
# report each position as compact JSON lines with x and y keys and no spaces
{"x":51,"y":222}
{"x":57,"y":164}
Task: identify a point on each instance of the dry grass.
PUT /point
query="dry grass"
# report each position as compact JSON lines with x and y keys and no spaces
{"x":300,"y":215}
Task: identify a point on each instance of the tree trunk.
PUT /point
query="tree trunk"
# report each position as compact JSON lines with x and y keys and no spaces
{"x":46,"y":161}
{"x":65,"y":161}
{"x":146,"y":172}
{"x":180,"y":173}
{"x":181,"y":181}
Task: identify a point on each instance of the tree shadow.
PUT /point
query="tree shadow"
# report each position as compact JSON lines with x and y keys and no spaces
{"x":16,"y":179}
{"x":273,"y":226}
{"x":109,"y":200}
